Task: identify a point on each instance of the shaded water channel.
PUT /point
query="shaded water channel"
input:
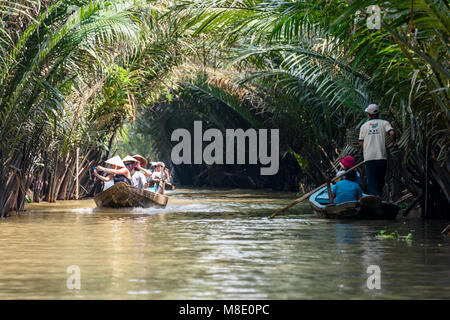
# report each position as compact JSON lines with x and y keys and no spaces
{"x":216,"y":244}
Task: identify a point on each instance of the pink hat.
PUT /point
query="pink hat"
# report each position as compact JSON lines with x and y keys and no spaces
{"x":347,"y":161}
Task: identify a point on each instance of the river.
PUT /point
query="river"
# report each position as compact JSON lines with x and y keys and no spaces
{"x":216,"y":244}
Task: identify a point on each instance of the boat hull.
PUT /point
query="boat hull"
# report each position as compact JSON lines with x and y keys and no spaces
{"x":370,"y":208}
{"x":121,"y":195}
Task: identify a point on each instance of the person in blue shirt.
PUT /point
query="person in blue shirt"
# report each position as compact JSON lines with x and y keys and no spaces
{"x":346,"y":190}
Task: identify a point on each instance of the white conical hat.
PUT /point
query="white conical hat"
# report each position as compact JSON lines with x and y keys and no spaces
{"x":116,"y":161}
{"x":129,"y":158}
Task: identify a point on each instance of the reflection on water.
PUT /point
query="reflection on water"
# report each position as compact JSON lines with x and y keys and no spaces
{"x":215,"y":244}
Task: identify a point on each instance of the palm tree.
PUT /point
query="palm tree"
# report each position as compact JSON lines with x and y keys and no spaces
{"x":37,"y":66}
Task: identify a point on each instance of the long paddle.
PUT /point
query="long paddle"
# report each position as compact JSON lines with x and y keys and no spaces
{"x":163,"y":176}
{"x":311,"y":192}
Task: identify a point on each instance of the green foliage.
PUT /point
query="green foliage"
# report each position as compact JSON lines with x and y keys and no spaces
{"x":77,"y":75}
{"x":131,"y":142}
{"x":53,"y":58}
{"x":115,"y":107}
{"x":300,"y":160}
{"x":383,"y":234}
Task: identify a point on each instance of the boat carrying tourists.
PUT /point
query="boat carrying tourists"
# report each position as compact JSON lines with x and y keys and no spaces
{"x":132,"y":171}
{"x":372,"y":139}
{"x":132,"y":190}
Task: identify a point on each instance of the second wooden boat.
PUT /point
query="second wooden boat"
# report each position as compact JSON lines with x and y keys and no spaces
{"x":121,"y":195}
{"x":369,"y":207}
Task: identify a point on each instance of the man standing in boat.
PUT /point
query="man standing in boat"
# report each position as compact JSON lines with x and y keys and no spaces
{"x":372,"y":139}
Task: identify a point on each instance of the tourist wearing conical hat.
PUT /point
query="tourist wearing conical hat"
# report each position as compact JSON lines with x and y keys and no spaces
{"x":118,"y":171}
{"x":142,"y":163}
{"x":138,"y":179}
{"x":129,"y":159}
{"x":115,"y":162}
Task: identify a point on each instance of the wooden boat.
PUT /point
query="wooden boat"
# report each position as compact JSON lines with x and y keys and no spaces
{"x":369,"y":207}
{"x":121,"y":195}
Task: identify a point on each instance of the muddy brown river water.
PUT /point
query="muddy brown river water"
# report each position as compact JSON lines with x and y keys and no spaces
{"x":216,"y":244}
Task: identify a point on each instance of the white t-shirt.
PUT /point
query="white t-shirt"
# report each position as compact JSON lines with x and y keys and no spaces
{"x":156,"y":175}
{"x":373,"y":133}
{"x":138,"y":180}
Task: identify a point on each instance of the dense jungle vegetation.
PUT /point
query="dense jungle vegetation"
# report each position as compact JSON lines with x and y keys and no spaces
{"x":101,"y":76}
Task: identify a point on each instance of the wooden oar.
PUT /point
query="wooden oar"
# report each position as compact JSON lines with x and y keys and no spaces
{"x":163,"y":176}
{"x":311,"y":192}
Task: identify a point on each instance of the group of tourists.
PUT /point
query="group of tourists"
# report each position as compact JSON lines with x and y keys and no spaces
{"x":132,"y":171}
{"x":372,"y":139}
